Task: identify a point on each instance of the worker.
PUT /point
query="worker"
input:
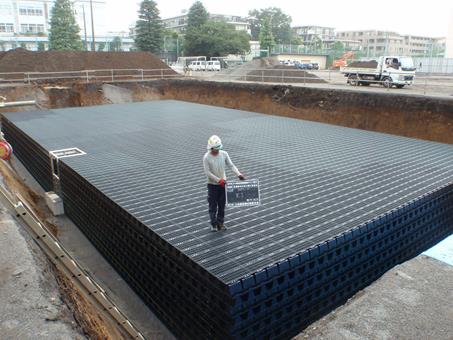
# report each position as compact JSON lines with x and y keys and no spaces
{"x":214,"y":162}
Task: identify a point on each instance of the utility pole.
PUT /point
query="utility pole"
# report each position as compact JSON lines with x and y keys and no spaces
{"x":85,"y":28}
{"x":92,"y":26}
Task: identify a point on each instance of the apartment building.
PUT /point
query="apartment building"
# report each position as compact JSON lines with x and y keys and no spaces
{"x":179,"y":23}
{"x":375,"y":43}
{"x":308,"y":33}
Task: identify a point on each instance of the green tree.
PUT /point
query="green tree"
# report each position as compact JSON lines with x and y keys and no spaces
{"x":216,"y":39}
{"x":295,"y":40}
{"x":266,"y":36}
{"x":64,"y":31}
{"x":338,"y":46}
{"x":338,"y":49}
{"x":280,"y":24}
{"x":101,"y":46}
{"x":41,"y":46}
{"x":198,"y":16}
{"x":116,"y":44}
{"x":149,"y":28}
{"x":171,"y":41}
{"x":316,"y":44}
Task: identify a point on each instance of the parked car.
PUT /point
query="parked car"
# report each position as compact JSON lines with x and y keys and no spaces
{"x":213,"y":65}
{"x":198,"y":65}
{"x":315,"y":66}
{"x":305,"y":66}
{"x":287,"y":62}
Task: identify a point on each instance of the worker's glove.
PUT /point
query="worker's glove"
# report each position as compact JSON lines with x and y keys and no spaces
{"x":222,"y":182}
{"x":241,"y":177}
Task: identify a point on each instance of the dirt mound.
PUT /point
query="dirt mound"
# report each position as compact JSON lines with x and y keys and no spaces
{"x":258,"y":63}
{"x":283,"y":74}
{"x":21,"y":60}
{"x":364,"y":64}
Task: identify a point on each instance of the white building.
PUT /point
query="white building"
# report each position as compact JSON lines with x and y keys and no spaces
{"x":449,"y":40}
{"x":179,"y":23}
{"x":26,"y":23}
{"x":376,"y":43}
{"x":309,"y":33}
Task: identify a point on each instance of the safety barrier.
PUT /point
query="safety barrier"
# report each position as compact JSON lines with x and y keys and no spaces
{"x":106,"y":75}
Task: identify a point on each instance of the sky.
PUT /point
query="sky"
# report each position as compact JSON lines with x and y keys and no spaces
{"x":426,"y":18}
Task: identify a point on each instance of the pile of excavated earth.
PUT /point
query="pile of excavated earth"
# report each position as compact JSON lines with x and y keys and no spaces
{"x":22,"y":60}
{"x":364,"y":64}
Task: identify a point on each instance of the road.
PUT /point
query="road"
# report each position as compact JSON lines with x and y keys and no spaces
{"x":437,"y":86}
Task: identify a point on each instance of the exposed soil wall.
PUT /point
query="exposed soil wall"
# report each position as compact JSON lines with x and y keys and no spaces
{"x":421,"y":117}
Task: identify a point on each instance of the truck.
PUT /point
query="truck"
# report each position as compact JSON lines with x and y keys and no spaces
{"x":389,"y":71}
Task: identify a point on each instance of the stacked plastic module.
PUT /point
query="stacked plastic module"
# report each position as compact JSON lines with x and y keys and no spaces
{"x":33,"y":156}
{"x":339,"y":208}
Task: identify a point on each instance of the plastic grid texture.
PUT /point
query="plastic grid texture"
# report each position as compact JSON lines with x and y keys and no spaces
{"x":339,"y":208}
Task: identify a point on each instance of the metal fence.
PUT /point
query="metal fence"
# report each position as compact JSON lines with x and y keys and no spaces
{"x":107,"y":75}
{"x":434,"y":65}
{"x":438,"y":85}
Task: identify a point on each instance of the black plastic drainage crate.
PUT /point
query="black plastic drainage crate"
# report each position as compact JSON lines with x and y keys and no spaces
{"x":339,"y":208}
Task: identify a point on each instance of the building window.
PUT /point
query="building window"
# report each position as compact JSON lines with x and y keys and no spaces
{"x":31,"y":28}
{"x":6,"y":28}
{"x":31,"y":11}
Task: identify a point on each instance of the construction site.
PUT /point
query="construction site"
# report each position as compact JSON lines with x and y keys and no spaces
{"x":105,"y":224}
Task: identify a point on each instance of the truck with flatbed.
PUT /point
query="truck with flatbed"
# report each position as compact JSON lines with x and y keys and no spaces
{"x":388,"y":71}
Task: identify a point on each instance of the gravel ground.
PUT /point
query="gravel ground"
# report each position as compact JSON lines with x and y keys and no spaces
{"x":411,"y":301}
{"x":31,"y":305}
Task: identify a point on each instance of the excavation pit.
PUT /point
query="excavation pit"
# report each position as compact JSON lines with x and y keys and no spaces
{"x":340,"y":206}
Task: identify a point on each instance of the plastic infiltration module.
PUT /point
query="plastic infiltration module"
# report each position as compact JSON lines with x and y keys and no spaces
{"x":339,"y":207}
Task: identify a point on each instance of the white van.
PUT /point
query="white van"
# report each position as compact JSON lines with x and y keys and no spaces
{"x":213,"y":65}
{"x":198,"y":65}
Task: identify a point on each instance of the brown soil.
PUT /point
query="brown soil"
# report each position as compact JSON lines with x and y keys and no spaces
{"x":34,"y":200}
{"x":364,"y":64}
{"x":87,"y":316}
{"x":21,"y":60}
{"x":282,"y":73}
{"x":424,"y":117}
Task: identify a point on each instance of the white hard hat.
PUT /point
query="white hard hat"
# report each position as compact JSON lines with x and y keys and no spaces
{"x":215,"y":143}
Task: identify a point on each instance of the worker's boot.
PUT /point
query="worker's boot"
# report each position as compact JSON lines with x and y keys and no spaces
{"x":221,"y":227}
{"x":214,"y":227}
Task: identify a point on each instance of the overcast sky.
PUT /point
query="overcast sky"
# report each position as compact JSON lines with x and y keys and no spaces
{"x":427,"y":18}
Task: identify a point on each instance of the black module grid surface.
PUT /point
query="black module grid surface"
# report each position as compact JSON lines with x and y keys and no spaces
{"x":317,"y":180}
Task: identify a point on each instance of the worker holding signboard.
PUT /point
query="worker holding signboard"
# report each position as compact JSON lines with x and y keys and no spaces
{"x":214,"y":162}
